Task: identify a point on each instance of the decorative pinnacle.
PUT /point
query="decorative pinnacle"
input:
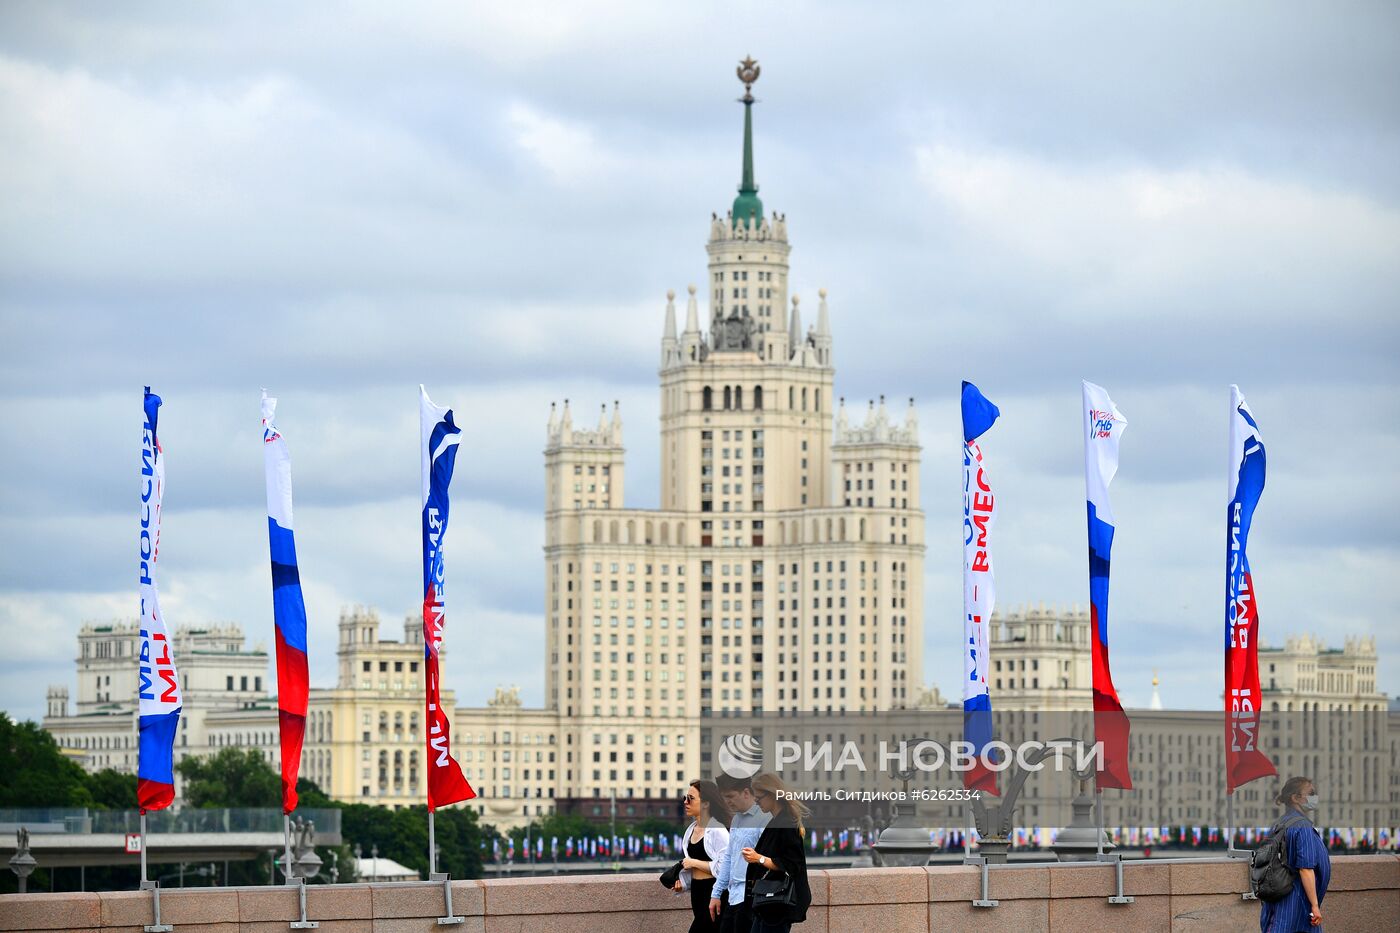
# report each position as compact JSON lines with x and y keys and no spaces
{"x":748,"y":72}
{"x":747,"y":209}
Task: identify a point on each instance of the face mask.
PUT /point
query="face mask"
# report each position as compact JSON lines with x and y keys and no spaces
{"x":1310,"y":802}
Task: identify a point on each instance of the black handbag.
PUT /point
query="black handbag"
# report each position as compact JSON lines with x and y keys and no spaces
{"x":670,"y":876}
{"x":774,"y":895}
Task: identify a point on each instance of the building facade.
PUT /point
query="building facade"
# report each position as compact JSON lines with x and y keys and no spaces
{"x":217,"y":672}
{"x":784,"y":568}
{"x":1041,"y":659}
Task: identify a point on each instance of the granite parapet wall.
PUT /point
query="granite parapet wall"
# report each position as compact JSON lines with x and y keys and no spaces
{"x":1173,"y":897}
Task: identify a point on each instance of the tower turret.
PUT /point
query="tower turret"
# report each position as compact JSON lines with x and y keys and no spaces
{"x":670,"y":346}
{"x":795,"y":331}
{"x":823,"y":335}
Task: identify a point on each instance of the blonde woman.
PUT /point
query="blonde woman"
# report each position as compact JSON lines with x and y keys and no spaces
{"x":703,"y":848}
{"x":779,"y":851}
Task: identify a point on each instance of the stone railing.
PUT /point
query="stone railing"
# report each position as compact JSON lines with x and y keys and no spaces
{"x":1168,"y":896}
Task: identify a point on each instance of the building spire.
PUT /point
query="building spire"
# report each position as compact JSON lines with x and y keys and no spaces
{"x":748,"y":209}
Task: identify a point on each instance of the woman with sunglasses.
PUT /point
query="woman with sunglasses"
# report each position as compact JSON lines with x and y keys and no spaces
{"x":705,"y":843}
{"x":779,"y":851}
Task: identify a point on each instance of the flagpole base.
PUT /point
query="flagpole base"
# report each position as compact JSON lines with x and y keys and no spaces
{"x":154,"y":888}
{"x":303,"y":923}
{"x":986,"y":899}
{"x":442,"y":877}
{"x":1119,"y":897}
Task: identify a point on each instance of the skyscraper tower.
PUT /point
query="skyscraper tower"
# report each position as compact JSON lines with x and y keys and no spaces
{"x":784,"y":568}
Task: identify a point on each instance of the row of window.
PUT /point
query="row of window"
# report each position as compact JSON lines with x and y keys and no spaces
{"x":733,"y":398}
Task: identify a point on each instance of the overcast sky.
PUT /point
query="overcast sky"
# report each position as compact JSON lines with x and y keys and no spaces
{"x":339,"y":201}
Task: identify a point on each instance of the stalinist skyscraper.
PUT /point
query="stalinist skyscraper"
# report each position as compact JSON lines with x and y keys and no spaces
{"x":784,"y":569}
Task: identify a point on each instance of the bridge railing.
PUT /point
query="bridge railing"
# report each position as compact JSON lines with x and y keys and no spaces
{"x":184,"y":820}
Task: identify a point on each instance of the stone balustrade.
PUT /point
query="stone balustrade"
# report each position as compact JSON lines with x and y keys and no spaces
{"x":1169,"y":896}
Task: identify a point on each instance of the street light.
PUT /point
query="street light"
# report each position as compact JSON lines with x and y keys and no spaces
{"x":22,"y":863}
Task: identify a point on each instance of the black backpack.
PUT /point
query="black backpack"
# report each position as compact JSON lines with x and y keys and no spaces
{"x":1269,"y":875}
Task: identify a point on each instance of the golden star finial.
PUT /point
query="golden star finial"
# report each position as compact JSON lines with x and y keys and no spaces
{"x":748,"y":72}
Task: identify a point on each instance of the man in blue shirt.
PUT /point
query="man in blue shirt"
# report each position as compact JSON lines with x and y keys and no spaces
{"x":728,"y":900}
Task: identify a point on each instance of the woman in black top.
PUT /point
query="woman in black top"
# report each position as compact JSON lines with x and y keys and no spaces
{"x":779,"y":850}
{"x":706,"y":841}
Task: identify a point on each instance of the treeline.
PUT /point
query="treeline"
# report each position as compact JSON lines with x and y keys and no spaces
{"x":36,"y":773}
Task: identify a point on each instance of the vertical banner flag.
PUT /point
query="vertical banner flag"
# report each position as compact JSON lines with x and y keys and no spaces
{"x":1243,"y":760}
{"x":288,"y":609}
{"x":979,"y":591}
{"x":440,"y":437}
{"x":159,"y":682}
{"x":1103,"y":427}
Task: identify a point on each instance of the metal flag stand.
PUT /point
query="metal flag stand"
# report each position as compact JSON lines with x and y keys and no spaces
{"x":152,"y":886}
{"x":1230,"y":850}
{"x":1115,"y":858}
{"x":986,"y":899}
{"x":440,"y":876}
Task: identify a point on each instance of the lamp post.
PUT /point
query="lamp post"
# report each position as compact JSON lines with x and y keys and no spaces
{"x":904,"y":842}
{"x":22,"y":863}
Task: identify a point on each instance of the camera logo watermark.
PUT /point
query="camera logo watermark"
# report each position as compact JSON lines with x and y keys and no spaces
{"x":740,"y":756}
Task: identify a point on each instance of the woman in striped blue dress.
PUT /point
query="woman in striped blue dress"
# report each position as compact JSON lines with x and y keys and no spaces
{"x":1301,"y":910}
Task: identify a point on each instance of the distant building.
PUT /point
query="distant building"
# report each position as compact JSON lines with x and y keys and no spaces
{"x":217,"y":672}
{"x":1304,"y":674}
{"x":1041,"y":660}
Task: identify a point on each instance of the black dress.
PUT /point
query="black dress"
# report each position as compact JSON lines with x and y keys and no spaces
{"x":700,"y":890}
{"x":783,"y":844}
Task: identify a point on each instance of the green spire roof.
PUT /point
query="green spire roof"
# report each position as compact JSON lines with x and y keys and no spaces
{"x":747,"y":206}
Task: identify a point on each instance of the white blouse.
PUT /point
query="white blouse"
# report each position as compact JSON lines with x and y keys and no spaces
{"x":716,"y":847}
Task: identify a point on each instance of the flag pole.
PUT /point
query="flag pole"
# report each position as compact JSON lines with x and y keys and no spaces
{"x":287,"y":847}
{"x":153,"y":886}
{"x":432,"y":844}
{"x":1098,"y":817}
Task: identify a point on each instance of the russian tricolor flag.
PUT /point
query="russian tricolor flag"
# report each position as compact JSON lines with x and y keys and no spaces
{"x":979,"y":591}
{"x":440,"y":437}
{"x":1103,"y":427}
{"x":1245,"y":761}
{"x":288,"y":608}
{"x":159,"y":700}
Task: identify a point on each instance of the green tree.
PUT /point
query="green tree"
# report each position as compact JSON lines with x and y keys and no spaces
{"x":36,"y":773}
{"x":402,"y":835}
{"x":112,"y":790}
{"x":309,"y":794}
{"x":232,"y":778}
{"x":656,"y":826}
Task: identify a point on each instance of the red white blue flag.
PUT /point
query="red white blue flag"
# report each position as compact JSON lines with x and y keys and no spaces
{"x":158,"y":687}
{"x":288,"y":608}
{"x":1103,"y":427}
{"x":979,"y":589}
{"x":1244,"y":762}
{"x":440,"y":438}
